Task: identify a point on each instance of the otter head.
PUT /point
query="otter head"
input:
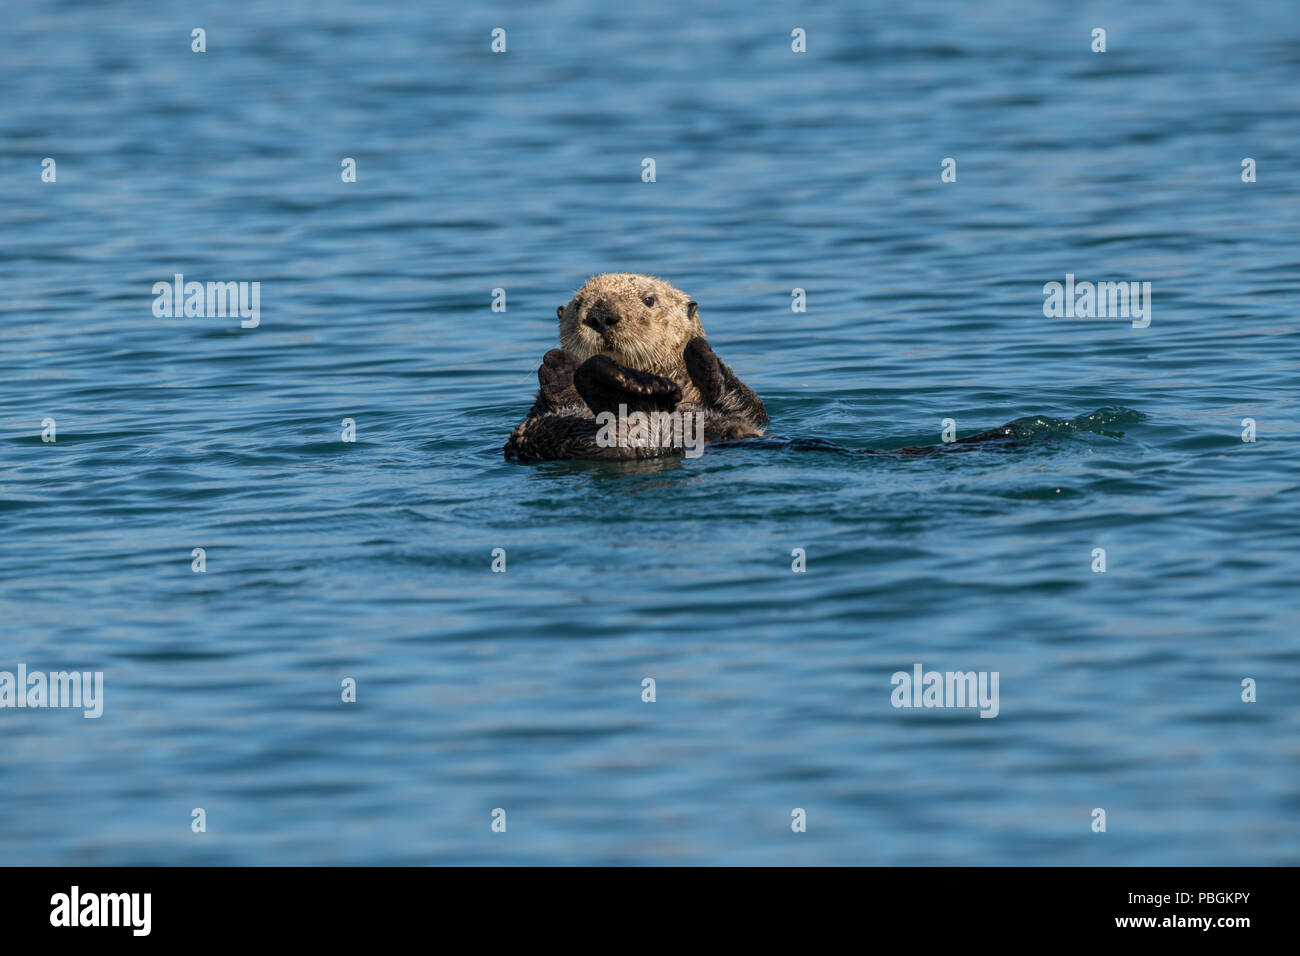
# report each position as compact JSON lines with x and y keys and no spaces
{"x":638,"y":321}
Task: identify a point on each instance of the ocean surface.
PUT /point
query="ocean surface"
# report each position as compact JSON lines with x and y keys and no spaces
{"x":520,"y":691}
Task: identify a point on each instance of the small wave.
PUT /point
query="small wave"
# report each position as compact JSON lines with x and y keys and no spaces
{"x":1101,"y":422}
{"x":1005,"y":437}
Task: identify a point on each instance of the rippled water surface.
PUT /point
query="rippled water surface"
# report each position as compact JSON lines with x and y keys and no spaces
{"x":328,"y":560}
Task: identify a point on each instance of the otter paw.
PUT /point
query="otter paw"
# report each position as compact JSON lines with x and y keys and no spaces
{"x":705,"y":369}
{"x":555,"y":375}
{"x":604,"y":385}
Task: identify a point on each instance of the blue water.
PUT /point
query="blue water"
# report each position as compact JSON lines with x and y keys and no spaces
{"x":328,"y":560}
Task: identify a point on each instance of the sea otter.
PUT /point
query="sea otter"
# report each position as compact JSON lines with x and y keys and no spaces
{"x":635,"y":378}
{"x":632,"y":345}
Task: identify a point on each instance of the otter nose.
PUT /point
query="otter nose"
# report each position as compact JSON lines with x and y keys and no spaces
{"x":601,"y":317}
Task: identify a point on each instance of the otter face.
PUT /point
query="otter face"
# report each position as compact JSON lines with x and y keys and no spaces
{"x":638,"y":321}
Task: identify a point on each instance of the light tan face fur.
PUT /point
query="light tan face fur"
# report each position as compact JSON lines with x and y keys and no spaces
{"x":636,"y":320}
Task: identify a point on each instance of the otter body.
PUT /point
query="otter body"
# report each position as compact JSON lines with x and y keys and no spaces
{"x":632,"y":345}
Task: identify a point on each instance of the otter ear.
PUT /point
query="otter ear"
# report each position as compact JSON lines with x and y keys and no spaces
{"x":691,"y":309}
{"x":559,"y":312}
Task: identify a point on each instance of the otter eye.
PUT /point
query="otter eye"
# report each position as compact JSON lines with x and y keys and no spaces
{"x":649,"y":301}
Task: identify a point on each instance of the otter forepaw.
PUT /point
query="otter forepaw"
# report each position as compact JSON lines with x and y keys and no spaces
{"x":705,"y":370}
{"x":605,"y":385}
{"x":718,"y":385}
{"x":555,"y":375}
